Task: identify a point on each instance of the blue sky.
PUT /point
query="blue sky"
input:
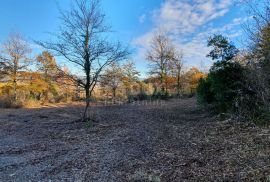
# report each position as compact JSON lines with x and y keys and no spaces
{"x":189,"y":22}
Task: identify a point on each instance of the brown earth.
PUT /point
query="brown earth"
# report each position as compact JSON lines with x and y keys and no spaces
{"x":170,"y":141}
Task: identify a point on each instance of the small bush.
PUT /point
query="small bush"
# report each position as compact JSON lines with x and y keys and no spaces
{"x":250,"y":108}
{"x":7,"y":102}
{"x":161,"y":95}
{"x":141,"y":96}
{"x":60,"y":98}
{"x":204,"y":94}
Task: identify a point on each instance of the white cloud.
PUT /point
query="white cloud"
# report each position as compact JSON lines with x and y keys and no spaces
{"x":189,"y":23}
{"x":142,"y":18}
{"x":186,"y":16}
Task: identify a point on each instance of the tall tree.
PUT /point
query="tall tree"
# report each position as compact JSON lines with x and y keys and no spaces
{"x":83,"y":41}
{"x":223,"y":50}
{"x":159,"y":55}
{"x":15,"y":58}
{"x":225,"y":78}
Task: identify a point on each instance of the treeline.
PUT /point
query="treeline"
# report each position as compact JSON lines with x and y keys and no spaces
{"x":27,"y":81}
{"x":123,"y":82}
{"x":32,"y":82}
{"x":239,"y":82}
{"x":97,"y":65}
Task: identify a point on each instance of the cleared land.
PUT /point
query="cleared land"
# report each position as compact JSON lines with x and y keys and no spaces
{"x":173,"y":141}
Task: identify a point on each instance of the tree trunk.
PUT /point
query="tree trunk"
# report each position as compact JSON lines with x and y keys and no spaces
{"x":162,"y":82}
{"x":87,"y":68}
{"x":15,"y":89}
{"x":129,"y":94}
{"x":46,"y":96}
{"x":87,"y":102}
{"x":178,"y":85}
{"x":114,"y":94}
{"x":166,"y":84}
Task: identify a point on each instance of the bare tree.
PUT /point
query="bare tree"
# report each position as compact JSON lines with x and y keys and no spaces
{"x":15,"y":58}
{"x":83,"y":41}
{"x":159,"y":55}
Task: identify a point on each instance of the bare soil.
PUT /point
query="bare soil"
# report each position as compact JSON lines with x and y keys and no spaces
{"x":172,"y":141}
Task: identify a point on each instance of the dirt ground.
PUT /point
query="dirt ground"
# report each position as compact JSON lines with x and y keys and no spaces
{"x":169,"y":141}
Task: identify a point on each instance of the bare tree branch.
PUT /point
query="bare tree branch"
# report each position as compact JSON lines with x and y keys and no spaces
{"x":82,"y":41}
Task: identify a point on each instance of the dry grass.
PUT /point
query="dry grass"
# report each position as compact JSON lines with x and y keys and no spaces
{"x":168,"y":142}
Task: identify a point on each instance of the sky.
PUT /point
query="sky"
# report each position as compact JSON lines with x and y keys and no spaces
{"x":188,"y":22}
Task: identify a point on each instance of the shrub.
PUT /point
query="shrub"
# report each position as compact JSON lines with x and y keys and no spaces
{"x":7,"y":102}
{"x":221,"y":87}
{"x":204,"y":94}
{"x":253,"y":100}
{"x":59,"y":98}
{"x":141,"y":96}
{"x":161,"y":95}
